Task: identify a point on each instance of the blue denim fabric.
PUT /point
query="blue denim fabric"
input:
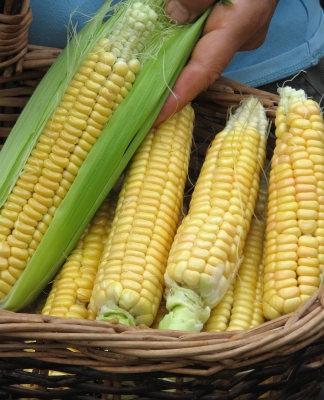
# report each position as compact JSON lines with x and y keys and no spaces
{"x":53,"y":20}
{"x":295,"y":41}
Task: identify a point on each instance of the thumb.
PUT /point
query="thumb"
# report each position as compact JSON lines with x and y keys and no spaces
{"x":184,"y":11}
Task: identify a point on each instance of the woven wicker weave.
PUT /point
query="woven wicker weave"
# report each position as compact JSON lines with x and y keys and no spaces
{"x":281,"y":359}
{"x":22,"y":65}
{"x":17,"y":87}
{"x":15,"y":20}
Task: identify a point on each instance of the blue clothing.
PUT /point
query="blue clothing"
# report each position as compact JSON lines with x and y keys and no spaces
{"x":295,"y":40}
{"x":51,"y":24}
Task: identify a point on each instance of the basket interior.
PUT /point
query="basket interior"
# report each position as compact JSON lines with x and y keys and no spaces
{"x":46,"y":357}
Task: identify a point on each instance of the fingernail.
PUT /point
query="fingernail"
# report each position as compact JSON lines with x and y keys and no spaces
{"x":177,"y":11}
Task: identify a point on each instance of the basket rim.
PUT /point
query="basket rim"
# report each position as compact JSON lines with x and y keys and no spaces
{"x":16,"y":19}
{"x":175,"y":350}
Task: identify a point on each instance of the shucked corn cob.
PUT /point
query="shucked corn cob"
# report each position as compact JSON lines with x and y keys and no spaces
{"x":207,"y":250}
{"x":72,"y":287}
{"x":129,"y":283}
{"x":51,"y":154}
{"x":241,"y":307}
{"x":295,"y":228}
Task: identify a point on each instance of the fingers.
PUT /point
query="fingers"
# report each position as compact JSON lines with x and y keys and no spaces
{"x":209,"y":58}
{"x":184,"y":11}
{"x":246,"y":22}
{"x":228,"y":29}
{"x":199,"y":73}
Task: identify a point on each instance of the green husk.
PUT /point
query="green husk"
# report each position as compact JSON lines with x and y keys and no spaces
{"x":108,"y":157}
{"x":111,"y":312}
{"x":46,"y":97}
{"x":187,"y":311}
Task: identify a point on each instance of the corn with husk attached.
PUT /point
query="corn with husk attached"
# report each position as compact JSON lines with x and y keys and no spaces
{"x":77,"y":134}
{"x":72,"y":287}
{"x":95,"y":92}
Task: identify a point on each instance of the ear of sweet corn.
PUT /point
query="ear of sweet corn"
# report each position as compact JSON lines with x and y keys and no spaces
{"x":294,"y":239}
{"x":207,"y":249}
{"x":72,"y":287}
{"x":241,"y":307}
{"x":129,"y":283}
{"x":85,"y":186}
{"x":94,"y":94}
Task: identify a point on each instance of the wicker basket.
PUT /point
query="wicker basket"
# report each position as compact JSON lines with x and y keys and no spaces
{"x":15,"y":19}
{"x":51,"y":358}
{"x":22,"y":65}
{"x":17,"y":86}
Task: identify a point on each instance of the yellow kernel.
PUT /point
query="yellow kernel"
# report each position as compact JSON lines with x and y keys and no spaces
{"x":79,"y":310}
{"x":17,"y":262}
{"x":317,"y":126}
{"x":307,"y":271}
{"x":4,"y":264}
{"x":289,"y":292}
{"x":4,"y":287}
{"x":307,"y":214}
{"x":33,"y":214}
{"x":309,"y":241}
{"x":191,"y":278}
{"x":286,"y":265}
{"x":301,"y":123}
{"x":291,"y":304}
{"x":307,"y":226}
{"x":309,"y":280}
{"x":18,"y":240}
{"x":121,"y":68}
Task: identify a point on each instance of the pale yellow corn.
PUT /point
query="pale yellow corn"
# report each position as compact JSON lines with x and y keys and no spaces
{"x":295,"y":228}
{"x":241,"y":307}
{"x":72,"y":287}
{"x":130,"y":278}
{"x":208,"y":247}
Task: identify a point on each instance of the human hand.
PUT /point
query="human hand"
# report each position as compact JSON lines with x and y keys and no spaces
{"x":228,"y":29}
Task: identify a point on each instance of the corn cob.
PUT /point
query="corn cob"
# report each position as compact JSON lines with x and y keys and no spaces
{"x":129,"y":283}
{"x":207,"y":249}
{"x":162,"y":310}
{"x":295,"y":228}
{"x":56,"y":132}
{"x":72,"y":287}
{"x":241,"y":307}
